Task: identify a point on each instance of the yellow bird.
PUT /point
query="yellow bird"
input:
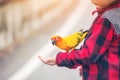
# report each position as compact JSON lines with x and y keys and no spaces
{"x":69,"y":42}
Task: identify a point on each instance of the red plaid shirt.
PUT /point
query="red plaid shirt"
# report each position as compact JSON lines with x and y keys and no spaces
{"x":100,"y":54}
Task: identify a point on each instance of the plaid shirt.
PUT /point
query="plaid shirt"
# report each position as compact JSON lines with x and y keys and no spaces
{"x":99,"y":56}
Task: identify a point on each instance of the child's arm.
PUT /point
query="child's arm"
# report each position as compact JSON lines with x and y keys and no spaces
{"x":95,"y":46}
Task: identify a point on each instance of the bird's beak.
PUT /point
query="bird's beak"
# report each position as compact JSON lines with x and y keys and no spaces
{"x":53,"y":42}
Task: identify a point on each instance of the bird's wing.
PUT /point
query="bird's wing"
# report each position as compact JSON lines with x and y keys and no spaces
{"x":72,"y":40}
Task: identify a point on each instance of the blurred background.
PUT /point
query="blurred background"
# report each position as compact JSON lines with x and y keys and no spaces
{"x":25,"y":30}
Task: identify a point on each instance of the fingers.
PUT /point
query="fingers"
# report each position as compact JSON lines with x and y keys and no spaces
{"x":48,"y":61}
{"x":42,"y":59}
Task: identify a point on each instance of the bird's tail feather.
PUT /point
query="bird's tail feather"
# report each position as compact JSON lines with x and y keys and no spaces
{"x":84,"y":33}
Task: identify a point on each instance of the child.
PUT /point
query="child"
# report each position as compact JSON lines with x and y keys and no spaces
{"x":100,"y":54}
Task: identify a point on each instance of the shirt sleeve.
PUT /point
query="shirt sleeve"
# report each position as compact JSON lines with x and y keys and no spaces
{"x":96,"y":44}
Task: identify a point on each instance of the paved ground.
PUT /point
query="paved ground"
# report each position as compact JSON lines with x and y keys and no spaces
{"x":10,"y":63}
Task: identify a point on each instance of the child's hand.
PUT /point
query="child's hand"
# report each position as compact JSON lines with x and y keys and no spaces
{"x":48,"y":61}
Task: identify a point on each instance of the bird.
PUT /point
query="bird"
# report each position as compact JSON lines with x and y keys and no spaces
{"x":69,"y":42}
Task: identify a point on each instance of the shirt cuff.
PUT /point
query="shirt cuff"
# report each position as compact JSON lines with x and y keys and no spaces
{"x":61,"y":56}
